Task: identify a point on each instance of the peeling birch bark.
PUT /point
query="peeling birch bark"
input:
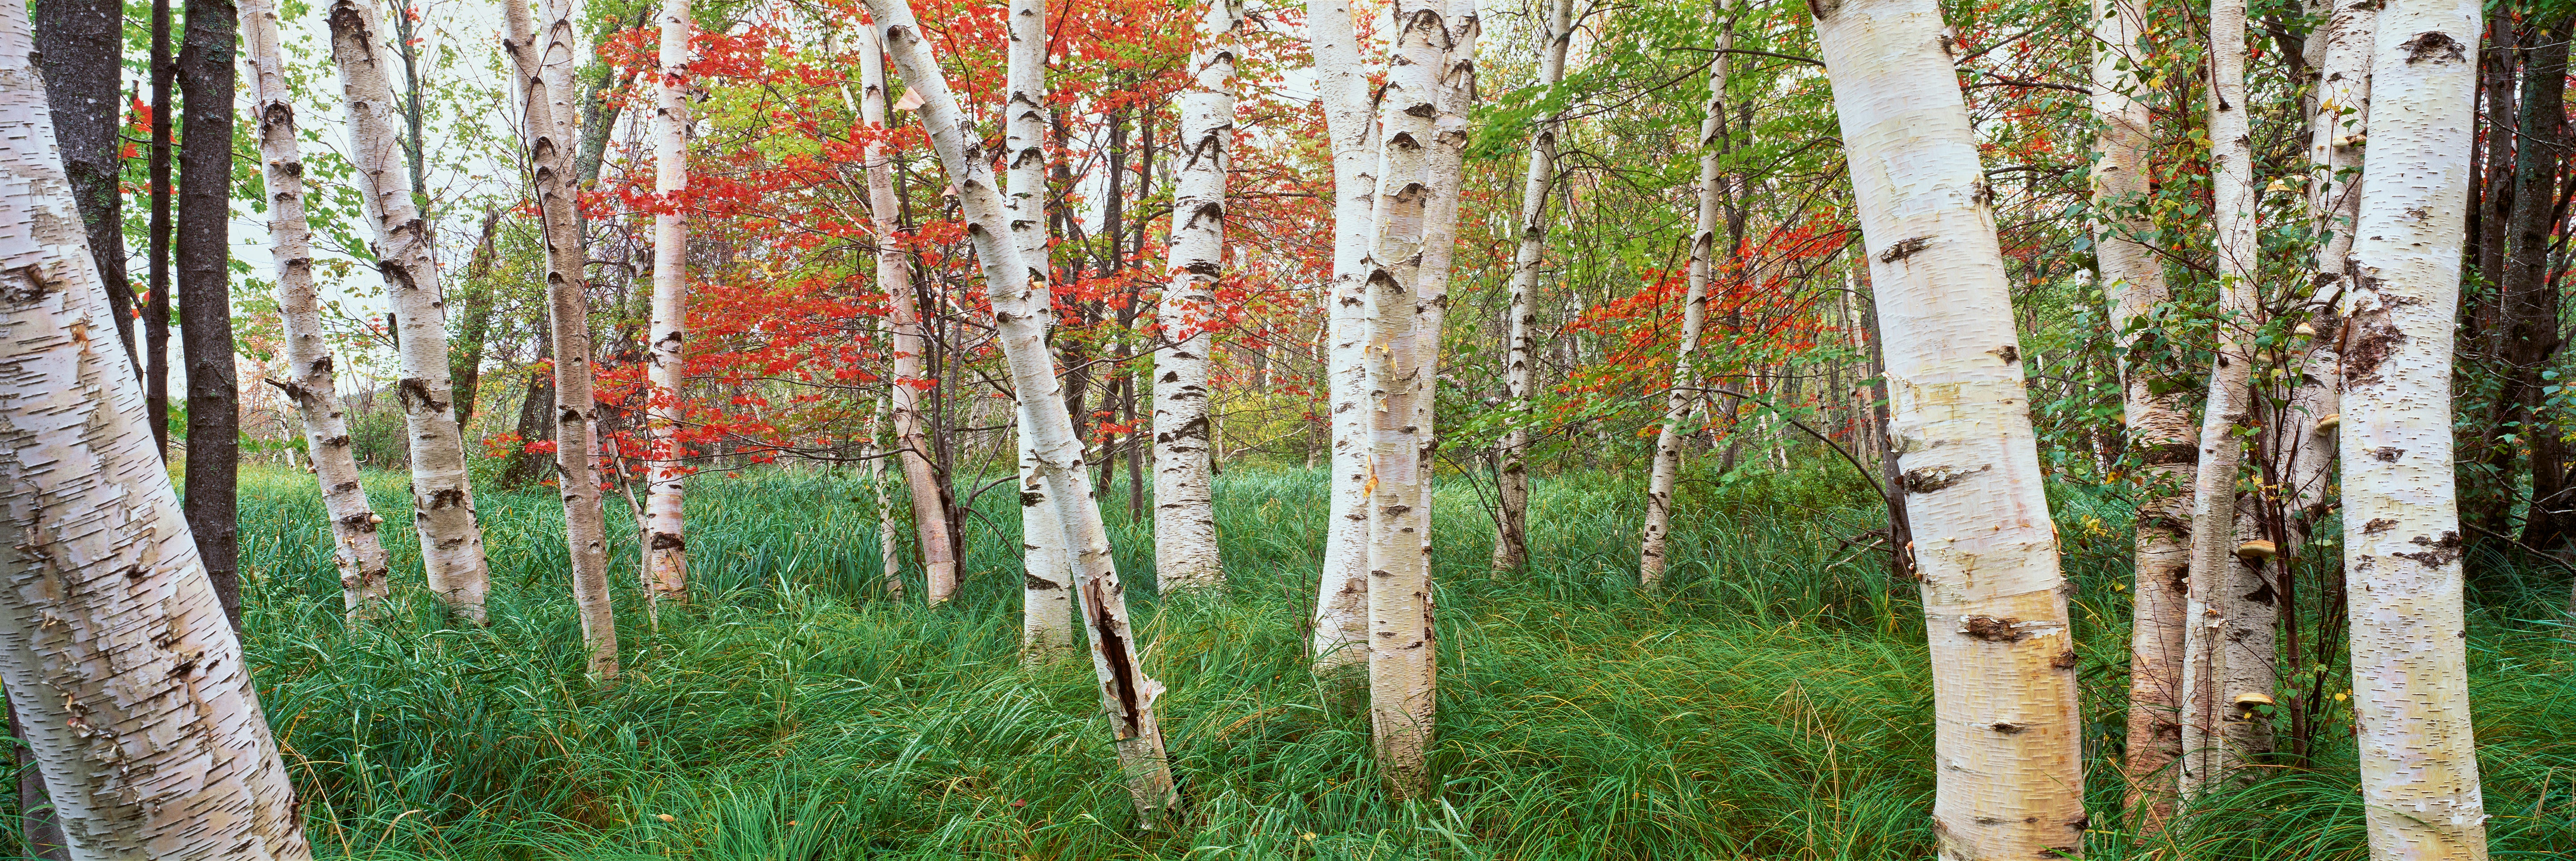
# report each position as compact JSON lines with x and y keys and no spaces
{"x":1684,"y":392}
{"x":1185,"y":548}
{"x":1046,"y":590}
{"x":129,"y":687}
{"x":894,"y":276}
{"x":451,"y":540}
{"x":543,"y":77}
{"x":310,"y":379}
{"x":2160,"y":432}
{"x":1127,"y":695}
{"x":2341,"y":49}
{"x":2419,"y":765}
{"x":2227,"y":599}
{"x":1341,"y":602}
{"x":666,"y":543}
{"x":2007,"y":738}
{"x":1511,"y":521}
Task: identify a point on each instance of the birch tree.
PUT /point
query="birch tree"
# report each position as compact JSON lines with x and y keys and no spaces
{"x":1444,"y":176}
{"x":543,"y":72}
{"x":666,"y":543}
{"x":2227,"y":644}
{"x":1046,"y":594}
{"x":2419,"y":767}
{"x":1341,"y":603}
{"x":1684,"y":391}
{"x":2007,"y":737}
{"x":894,"y":276}
{"x":1511,"y":521}
{"x":1127,"y":695}
{"x":2341,"y":48}
{"x":1185,"y":548}
{"x":129,"y":687}
{"x":889,"y":547}
{"x":311,"y":381}
{"x":451,"y":540}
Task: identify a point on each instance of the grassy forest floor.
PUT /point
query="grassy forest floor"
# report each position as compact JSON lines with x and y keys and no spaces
{"x":1772,"y":705}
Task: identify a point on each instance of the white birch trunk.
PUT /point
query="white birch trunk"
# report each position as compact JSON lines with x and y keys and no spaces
{"x":1444,"y":173}
{"x":894,"y":276}
{"x":2419,"y":765}
{"x":130,"y":689}
{"x":1185,"y":548}
{"x":1046,"y":592}
{"x":666,"y":543}
{"x":2341,"y":49}
{"x":1703,"y":262}
{"x":1341,"y":602}
{"x":2223,"y":661}
{"x":2007,"y":738}
{"x":451,"y":541}
{"x":889,"y":548}
{"x":2160,"y":433}
{"x":1511,"y":521}
{"x":539,"y":65}
{"x":1127,"y":694}
{"x":311,"y":383}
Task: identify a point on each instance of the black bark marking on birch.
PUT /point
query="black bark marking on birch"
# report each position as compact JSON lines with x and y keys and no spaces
{"x":668,"y":541}
{"x":2434,"y":45}
{"x":416,"y":390}
{"x":1991,"y":629}
{"x":1904,"y":249}
{"x":1932,"y":478}
{"x":2373,"y":338}
{"x":448,"y":498}
{"x":2378,"y":525}
{"x":2387,"y":455}
{"x":1113,"y":651}
{"x":2437,"y":553}
{"x":1032,"y":499}
{"x":1035,"y":583}
{"x":341,"y":441}
{"x":2008,"y":728}
{"x":2065,"y":660}
{"x":2173,"y":454}
{"x":2008,"y":353}
{"x":1825,"y":8}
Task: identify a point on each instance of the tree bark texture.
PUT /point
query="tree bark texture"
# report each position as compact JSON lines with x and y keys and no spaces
{"x":2419,"y":767}
{"x":1511,"y":519}
{"x":205,"y":295}
{"x":156,"y":311}
{"x":1444,"y":177}
{"x":83,"y":41}
{"x":666,"y":544}
{"x":2007,"y":737}
{"x":889,"y":546}
{"x":1127,"y":695}
{"x":311,"y":381}
{"x":1341,"y":602}
{"x":130,"y":688}
{"x":2526,"y":335}
{"x":1185,"y":547}
{"x":910,"y":339}
{"x":1046,"y":589}
{"x":2306,"y":436}
{"x":451,"y":538}
{"x":1684,"y":392}
{"x":543,"y":62}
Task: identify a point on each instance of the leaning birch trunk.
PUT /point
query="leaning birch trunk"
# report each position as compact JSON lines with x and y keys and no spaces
{"x":585,"y":533}
{"x":1185,"y":549}
{"x":2160,"y":432}
{"x":1444,"y":175}
{"x":1341,"y":603}
{"x":129,"y":687}
{"x":2219,"y":668}
{"x":1046,"y":593}
{"x":1703,"y":261}
{"x":2419,"y":766}
{"x":894,"y":276}
{"x":666,"y":543}
{"x":1402,"y":646}
{"x":310,"y":381}
{"x":2007,"y":738}
{"x":1511,"y":521}
{"x":451,"y":541}
{"x":1127,"y":695}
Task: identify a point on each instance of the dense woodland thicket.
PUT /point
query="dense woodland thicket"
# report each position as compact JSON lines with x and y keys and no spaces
{"x":1422,"y":429}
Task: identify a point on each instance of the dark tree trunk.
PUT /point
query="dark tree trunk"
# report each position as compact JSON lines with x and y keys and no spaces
{"x":80,"y":43}
{"x":475,"y":324}
{"x":2495,"y":190}
{"x":205,"y":294}
{"x":2527,"y":335}
{"x":156,"y":313}
{"x":536,"y":419}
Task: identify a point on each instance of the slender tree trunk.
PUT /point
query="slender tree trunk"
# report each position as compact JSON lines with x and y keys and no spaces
{"x":1444,"y":176}
{"x":451,"y":539}
{"x":2008,"y":738}
{"x":156,"y":312}
{"x":1046,"y":594}
{"x":667,"y":548}
{"x":2341,"y":48}
{"x":1511,"y":520}
{"x":889,"y":547}
{"x":129,"y":689}
{"x":2525,"y":336}
{"x":1341,"y":605}
{"x":205,"y":296}
{"x":894,"y":276}
{"x":1703,"y":262}
{"x":544,"y":74}
{"x":83,"y":41}
{"x":2496,"y":176}
{"x":2158,"y":430}
{"x":465,"y":371}
{"x":1402,"y":644}
{"x":534,"y":406}
{"x":2227,"y":598}
{"x":2419,"y":768}
{"x":310,"y":381}
{"x":1127,"y":695}
{"x":1185,"y":548}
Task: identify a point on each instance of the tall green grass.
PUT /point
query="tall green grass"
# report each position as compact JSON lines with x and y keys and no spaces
{"x":1771,"y":704}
